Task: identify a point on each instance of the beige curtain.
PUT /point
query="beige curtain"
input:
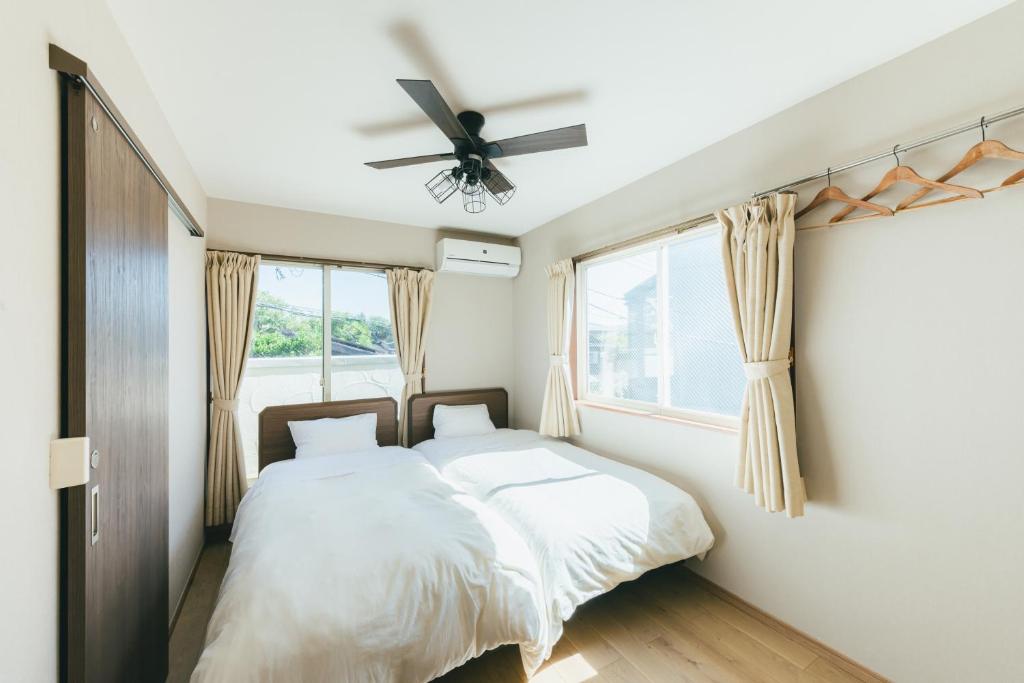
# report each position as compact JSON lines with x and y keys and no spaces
{"x":558,"y":414}
{"x":230,"y":302}
{"x":757,"y":250}
{"x":410,"y":293}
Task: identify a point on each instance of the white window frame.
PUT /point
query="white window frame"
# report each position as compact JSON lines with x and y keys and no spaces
{"x":326,"y":357}
{"x":661,"y":408}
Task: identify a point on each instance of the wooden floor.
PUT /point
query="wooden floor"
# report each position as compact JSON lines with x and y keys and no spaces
{"x":190,"y":629}
{"x":665,"y":626}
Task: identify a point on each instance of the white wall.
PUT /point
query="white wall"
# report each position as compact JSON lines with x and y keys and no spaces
{"x":908,"y":334}
{"x":30,"y":293}
{"x":187,"y":412}
{"x":470,"y":339}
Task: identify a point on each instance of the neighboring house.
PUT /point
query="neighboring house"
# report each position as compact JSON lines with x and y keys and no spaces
{"x":701,"y":337}
{"x":340,"y":347}
{"x":639,"y":351}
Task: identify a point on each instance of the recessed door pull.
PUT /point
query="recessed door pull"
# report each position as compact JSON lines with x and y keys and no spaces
{"x":94,"y":514}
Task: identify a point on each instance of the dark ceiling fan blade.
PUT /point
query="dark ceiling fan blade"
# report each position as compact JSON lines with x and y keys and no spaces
{"x":410,"y":161}
{"x":500,"y":187}
{"x":560,"y":138}
{"x":433,"y":105}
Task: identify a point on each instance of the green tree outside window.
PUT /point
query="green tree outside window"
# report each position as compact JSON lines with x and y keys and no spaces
{"x":281,"y":331}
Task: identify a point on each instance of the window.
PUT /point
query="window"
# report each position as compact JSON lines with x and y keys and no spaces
{"x":655,"y":331}
{"x":293,"y":360}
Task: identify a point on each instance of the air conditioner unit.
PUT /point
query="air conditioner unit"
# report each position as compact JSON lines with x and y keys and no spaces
{"x":477,"y":258}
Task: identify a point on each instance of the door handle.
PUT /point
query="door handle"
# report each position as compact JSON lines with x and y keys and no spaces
{"x":94,"y":516}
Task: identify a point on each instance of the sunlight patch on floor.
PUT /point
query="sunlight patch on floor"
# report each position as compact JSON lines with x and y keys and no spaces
{"x":572,"y":669}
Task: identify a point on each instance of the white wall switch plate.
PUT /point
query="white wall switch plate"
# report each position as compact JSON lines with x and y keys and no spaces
{"x":69,"y":462}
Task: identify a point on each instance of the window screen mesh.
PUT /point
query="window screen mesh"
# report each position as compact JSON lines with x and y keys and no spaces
{"x":704,"y":368}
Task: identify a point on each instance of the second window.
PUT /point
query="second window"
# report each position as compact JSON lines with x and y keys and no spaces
{"x":655,"y":332}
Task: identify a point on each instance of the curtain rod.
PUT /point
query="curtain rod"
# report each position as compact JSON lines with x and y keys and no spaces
{"x":676,"y":229}
{"x":708,"y":218}
{"x":323,"y":261}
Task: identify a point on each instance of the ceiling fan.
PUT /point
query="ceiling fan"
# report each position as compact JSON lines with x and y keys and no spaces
{"x":474,"y":175}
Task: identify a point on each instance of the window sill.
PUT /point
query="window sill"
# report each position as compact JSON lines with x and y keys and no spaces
{"x":658,"y":416}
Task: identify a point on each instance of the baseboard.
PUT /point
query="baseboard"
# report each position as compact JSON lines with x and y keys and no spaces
{"x":184,"y":591}
{"x":848,"y":665}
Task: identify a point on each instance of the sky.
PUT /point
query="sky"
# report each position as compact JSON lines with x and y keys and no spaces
{"x":352,"y":291}
{"x":607,"y":284}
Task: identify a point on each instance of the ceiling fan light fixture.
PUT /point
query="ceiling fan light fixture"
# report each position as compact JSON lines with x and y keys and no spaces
{"x":498,"y":186}
{"x":474,"y":199}
{"x":442,"y":186}
{"x":502,"y":197}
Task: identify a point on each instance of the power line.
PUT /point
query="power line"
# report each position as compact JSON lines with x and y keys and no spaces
{"x":605,"y":310}
{"x":313,"y":313}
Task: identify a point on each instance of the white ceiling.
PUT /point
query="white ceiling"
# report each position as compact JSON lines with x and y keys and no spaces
{"x":281,"y":102}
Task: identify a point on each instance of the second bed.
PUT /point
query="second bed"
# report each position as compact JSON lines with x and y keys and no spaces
{"x":590,"y":522}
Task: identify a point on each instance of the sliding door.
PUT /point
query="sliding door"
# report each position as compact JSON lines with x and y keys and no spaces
{"x":113,"y":529}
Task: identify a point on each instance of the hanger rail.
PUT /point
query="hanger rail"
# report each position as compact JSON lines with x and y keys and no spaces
{"x":965,"y":128}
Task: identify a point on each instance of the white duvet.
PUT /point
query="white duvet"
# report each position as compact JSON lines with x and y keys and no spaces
{"x":368,"y":567}
{"x":591,"y":522}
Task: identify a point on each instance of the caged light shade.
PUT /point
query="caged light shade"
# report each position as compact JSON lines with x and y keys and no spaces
{"x":442,"y":186}
{"x":469,"y":178}
{"x":498,"y":186}
{"x":474,"y":199}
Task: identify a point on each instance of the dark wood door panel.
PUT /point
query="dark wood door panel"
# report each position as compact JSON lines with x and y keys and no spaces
{"x":115,"y":393}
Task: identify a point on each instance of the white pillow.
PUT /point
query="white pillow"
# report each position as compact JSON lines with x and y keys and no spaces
{"x":331,"y":435}
{"x":452,"y":421}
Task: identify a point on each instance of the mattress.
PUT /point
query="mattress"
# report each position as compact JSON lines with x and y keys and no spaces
{"x":590,"y":522}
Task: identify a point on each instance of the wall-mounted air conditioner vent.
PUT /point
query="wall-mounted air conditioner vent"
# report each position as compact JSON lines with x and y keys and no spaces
{"x":477,"y":258}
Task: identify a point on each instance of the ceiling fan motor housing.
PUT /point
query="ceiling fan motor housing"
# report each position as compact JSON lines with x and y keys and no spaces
{"x":472,"y":121}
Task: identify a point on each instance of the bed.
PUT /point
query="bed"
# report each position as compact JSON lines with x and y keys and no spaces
{"x":591,"y":522}
{"x":365,"y":566}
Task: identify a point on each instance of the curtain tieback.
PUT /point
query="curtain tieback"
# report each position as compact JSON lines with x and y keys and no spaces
{"x":225,"y":403}
{"x":558,"y":361}
{"x":763,"y":369}
{"x":413,"y":376}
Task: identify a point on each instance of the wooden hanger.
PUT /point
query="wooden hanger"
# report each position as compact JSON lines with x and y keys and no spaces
{"x":901,"y":173}
{"x":986,"y":149}
{"x":832,"y":193}
{"x":1014,"y":179}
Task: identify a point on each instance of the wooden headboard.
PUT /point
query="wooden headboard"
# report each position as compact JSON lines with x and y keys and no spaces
{"x":276,"y":439}
{"x":421,"y":409}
